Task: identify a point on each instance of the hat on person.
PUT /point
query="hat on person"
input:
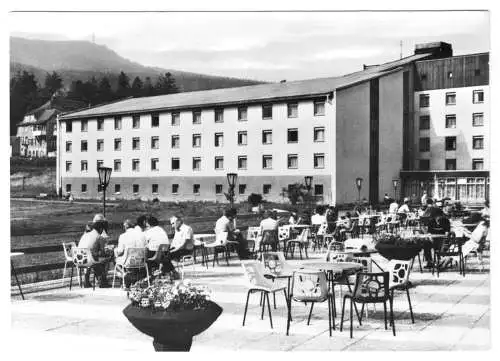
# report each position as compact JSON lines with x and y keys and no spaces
{"x":98,"y":218}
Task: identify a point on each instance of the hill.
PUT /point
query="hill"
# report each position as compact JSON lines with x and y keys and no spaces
{"x":81,"y":60}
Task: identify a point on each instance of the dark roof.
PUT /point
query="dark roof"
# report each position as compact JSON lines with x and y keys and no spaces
{"x":51,"y":109}
{"x":240,"y":95}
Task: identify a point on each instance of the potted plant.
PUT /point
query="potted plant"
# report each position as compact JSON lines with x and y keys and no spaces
{"x":171,"y":312}
{"x":393,"y":246}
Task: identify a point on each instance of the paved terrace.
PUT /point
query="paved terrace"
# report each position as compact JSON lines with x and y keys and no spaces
{"x":451,"y":313}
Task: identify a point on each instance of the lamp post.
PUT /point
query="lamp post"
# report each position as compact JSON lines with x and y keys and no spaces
{"x":231,"y":180}
{"x":395,"y":183}
{"x":104,"y":177}
{"x":308,"y":181}
{"x":359,"y":183}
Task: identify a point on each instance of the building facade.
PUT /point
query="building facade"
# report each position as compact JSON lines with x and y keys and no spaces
{"x":181,"y":146}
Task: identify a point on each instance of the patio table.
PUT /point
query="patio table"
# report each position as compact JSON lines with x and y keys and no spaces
{"x":361,"y":253}
{"x":13,"y":270}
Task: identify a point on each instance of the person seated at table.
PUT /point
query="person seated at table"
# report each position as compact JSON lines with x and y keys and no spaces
{"x":318,"y":217}
{"x":475,"y":243}
{"x":182,"y":245}
{"x":424,"y":199}
{"x":93,"y":240}
{"x":269,"y":230}
{"x":140,"y":224}
{"x":154,"y":235}
{"x":485,"y":212}
{"x":439,"y":224}
{"x":331,"y":218}
{"x":293,"y":218}
{"x":226,"y":224}
{"x":305,"y":219}
{"x":404,"y":210}
{"x":393,"y":208}
{"x":130,"y":238}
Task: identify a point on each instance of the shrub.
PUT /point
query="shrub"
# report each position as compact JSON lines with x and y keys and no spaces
{"x":254,"y":199}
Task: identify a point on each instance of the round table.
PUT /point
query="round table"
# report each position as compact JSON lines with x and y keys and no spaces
{"x":13,"y":270}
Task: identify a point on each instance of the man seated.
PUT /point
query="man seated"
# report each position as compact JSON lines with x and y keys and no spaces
{"x":226,"y":224}
{"x":129,"y":239}
{"x":155,"y":236}
{"x":318,"y":217}
{"x":269,"y":230}
{"x":182,"y":245}
{"x":93,"y":240}
{"x":393,"y":208}
{"x":439,"y":224}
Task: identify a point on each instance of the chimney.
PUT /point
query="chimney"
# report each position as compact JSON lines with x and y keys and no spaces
{"x":438,"y":49}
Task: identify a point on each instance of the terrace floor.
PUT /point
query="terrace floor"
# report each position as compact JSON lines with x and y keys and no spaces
{"x":451,"y":313}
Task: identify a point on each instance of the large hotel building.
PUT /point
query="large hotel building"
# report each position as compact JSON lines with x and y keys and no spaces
{"x":422,"y":119}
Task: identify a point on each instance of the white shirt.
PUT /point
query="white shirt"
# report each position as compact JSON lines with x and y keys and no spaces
{"x":292,"y":220}
{"x":130,"y":239}
{"x":404,"y":209}
{"x":223,"y":224}
{"x":93,"y":241}
{"x":393,"y":208}
{"x":318,"y":219}
{"x":268,"y":224}
{"x":424,"y":199}
{"x":183,"y":238}
{"x":156,"y":236}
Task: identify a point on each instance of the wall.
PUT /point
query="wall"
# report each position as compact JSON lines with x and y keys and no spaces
{"x":352,"y":140}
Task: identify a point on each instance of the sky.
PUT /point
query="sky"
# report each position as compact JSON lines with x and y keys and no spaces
{"x":268,"y":46}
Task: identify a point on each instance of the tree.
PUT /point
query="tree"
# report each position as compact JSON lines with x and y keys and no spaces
{"x":137,"y":85}
{"x":123,"y":86}
{"x":104,"y":90}
{"x":148,"y":89}
{"x":297,"y":192}
{"x":24,"y":96}
{"x":53,"y":82}
{"x":254,"y":199}
{"x":166,"y":84}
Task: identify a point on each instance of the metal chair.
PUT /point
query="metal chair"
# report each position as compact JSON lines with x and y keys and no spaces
{"x":219,"y":246}
{"x":302,"y":241}
{"x":450,"y":246}
{"x":399,"y":274}
{"x":253,"y":236}
{"x":159,"y":257}
{"x":83,"y":259}
{"x":369,"y":288}
{"x":68,"y":248}
{"x":256,"y":282}
{"x":133,"y":259}
{"x":310,"y":286}
{"x":284,"y":235}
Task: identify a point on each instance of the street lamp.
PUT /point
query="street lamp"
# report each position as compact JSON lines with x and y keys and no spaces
{"x":308,"y":181}
{"x":231,"y":180}
{"x":104,"y":177}
{"x":395,"y":183}
{"x":359,"y":183}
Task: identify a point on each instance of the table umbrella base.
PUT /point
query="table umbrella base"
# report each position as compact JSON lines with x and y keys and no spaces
{"x":173,"y":345}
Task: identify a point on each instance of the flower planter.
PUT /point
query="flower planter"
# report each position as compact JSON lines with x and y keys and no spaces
{"x":402,"y":252}
{"x":172,"y":330}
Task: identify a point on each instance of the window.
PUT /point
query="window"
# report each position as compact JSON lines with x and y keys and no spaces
{"x":451,"y":164}
{"x":68,"y":187}
{"x":176,"y":119}
{"x":69,"y":126}
{"x":219,"y":163}
{"x":155,"y":142}
{"x":136,"y":143}
{"x":100,"y":124}
{"x":319,"y":134}
{"x":84,"y":166}
{"x":197,"y":117}
{"x":218,"y":189}
{"x":267,"y":111}
{"x":242,"y":188}
{"x":319,"y":160}
{"x":117,"y":188}
{"x":451,"y":121}
{"x":267,"y":162}
{"x":117,"y":165}
{"x":196,"y":140}
{"x":83,"y":146}
{"x":477,"y":119}
{"x":292,"y":110}
{"x":242,"y":162}
{"x":424,"y":100}
{"x":135,"y":188}
{"x":99,"y":164}
{"x":118,"y":144}
{"x":175,"y":188}
{"x":423,"y":76}
{"x":477,"y":72}
{"x":135,"y":165}
{"x":242,"y":138}
{"x":293,"y":135}
{"x":477,"y":96}
{"x":293,"y":161}
{"x":118,"y":123}
{"x":69,"y":147}
{"x":478,"y":164}
{"x":155,"y":164}
{"x":319,"y":107}
{"x":424,"y":164}
{"x":425,"y":122}
{"x":219,"y":139}
{"x":154,"y":188}
{"x":197,"y":163}
{"x":478,"y":142}
{"x":68,"y":166}
{"x":196,"y":188}
{"x":176,"y":164}
{"x":84,"y":126}
{"x":219,"y":115}
{"x":84,"y":188}
{"x":155,"y":120}
{"x":450,"y":143}
{"x":451,"y":98}
{"x":425,"y":144}
{"x":176,"y":141}
{"x":267,"y":137}
{"x":242,"y":113}
{"x":136,"y":121}
{"x":266,"y":189}
{"x":100,"y":145}
{"x":318,"y":189}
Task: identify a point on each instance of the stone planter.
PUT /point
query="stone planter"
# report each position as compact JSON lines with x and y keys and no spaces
{"x":402,"y":252}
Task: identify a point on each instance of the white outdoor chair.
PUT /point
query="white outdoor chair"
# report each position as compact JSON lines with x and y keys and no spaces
{"x":133,"y":259}
{"x":68,"y":258}
{"x":399,"y":272}
{"x":302,"y":241}
{"x":219,"y":246}
{"x":83,"y":259}
{"x":254,"y":235}
{"x":284,"y":234}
